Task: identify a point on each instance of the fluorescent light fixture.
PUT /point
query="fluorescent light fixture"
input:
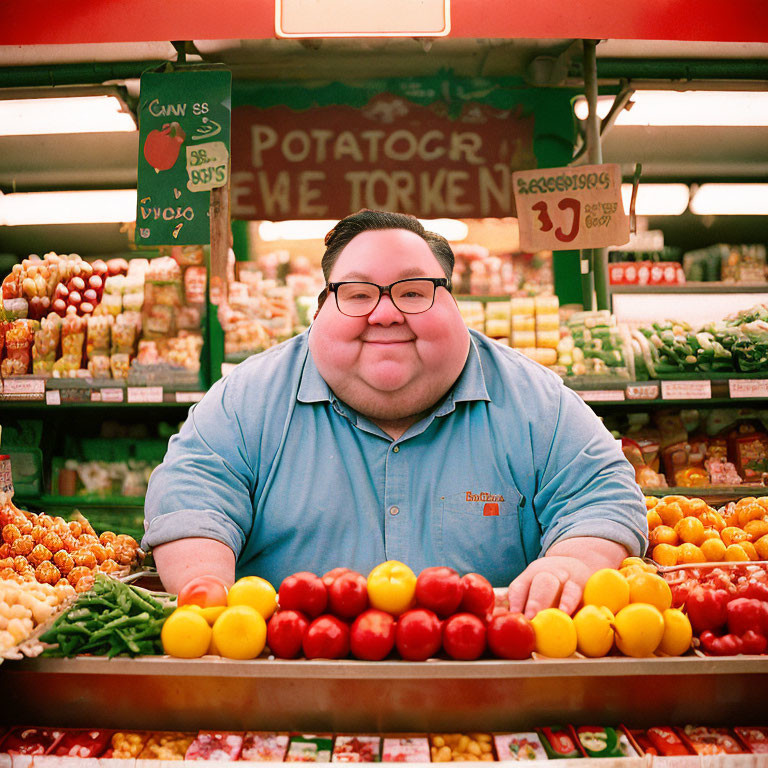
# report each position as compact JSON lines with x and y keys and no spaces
{"x":316,"y":229}
{"x":104,"y":206}
{"x":686,"y":108}
{"x":657,"y":199}
{"x":70,"y":114}
{"x":730,"y":200}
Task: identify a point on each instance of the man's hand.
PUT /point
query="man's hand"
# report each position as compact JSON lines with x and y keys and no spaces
{"x":558,"y":579}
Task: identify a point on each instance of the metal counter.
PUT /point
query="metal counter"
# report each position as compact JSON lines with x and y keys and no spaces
{"x":394,"y":696}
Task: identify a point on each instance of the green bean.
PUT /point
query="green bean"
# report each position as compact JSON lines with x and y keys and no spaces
{"x":124,"y":621}
{"x":130,"y":644}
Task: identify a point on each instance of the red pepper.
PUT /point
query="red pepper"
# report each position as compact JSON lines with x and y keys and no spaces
{"x":707,"y":608}
{"x":161,"y":148}
{"x":752,"y":642}
{"x":755,"y":589}
{"x":726,"y":645}
{"x":745,"y":613}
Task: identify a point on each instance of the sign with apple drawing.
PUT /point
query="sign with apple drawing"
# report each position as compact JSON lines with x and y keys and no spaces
{"x":184,"y":138}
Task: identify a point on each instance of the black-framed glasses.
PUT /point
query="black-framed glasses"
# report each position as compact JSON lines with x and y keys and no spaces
{"x":411,"y":296}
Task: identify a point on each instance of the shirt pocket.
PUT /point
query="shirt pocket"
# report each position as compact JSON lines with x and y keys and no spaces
{"x":480,"y":532}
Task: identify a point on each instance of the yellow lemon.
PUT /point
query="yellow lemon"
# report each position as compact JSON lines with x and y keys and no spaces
{"x":639,"y":628}
{"x":256,"y":592}
{"x":607,"y":587}
{"x":630,"y":562}
{"x":649,"y":588}
{"x":676,"y":639}
{"x":185,"y":634}
{"x":555,"y":633}
{"x":240,"y":632}
{"x":210,"y":614}
{"x":594,"y":632}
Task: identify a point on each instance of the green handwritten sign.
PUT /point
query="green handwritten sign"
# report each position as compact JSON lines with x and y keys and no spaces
{"x":184,"y":130}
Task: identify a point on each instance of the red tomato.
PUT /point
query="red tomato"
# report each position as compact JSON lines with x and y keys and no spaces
{"x":303,"y":592}
{"x":418,"y":635}
{"x":285,"y":632}
{"x":464,"y":637}
{"x":477,"y":595}
{"x":511,"y":636}
{"x":205,"y":591}
{"x":331,"y":576}
{"x":439,"y":589}
{"x":348,"y":595}
{"x":326,"y":638}
{"x":372,"y":636}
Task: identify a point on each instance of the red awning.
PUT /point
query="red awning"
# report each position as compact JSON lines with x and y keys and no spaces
{"x":30,"y":22}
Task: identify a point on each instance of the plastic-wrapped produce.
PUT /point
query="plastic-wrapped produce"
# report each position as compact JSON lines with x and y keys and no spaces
{"x":73,"y":336}
{"x":120,"y":364}
{"x":124,"y":333}
{"x":18,"y":347}
{"x":99,"y":335}
{"x":99,"y":366}
{"x":45,"y":345}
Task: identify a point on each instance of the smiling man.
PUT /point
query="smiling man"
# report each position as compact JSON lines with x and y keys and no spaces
{"x":389,"y":431}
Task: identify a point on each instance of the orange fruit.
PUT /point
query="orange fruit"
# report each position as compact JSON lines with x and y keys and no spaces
{"x":690,"y":530}
{"x":674,"y":499}
{"x":756,"y":529}
{"x":665,"y":554}
{"x":670,"y":513}
{"x":694,"y":506}
{"x":690,"y":553}
{"x":763,"y":502}
{"x":749,"y":548}
{"x":745,"y":501}
{"x":649,"y":588}
{"x":662,"y":534}
{"x":651,"y":502}
{"x":735,"y":553}
{"x":677,"y":633}
{"x":761,"y":547}
{"x":629,"y":562}
{"x":751,"y":512}
{"x":714,"y":550}
{"x":711,"y":533}
{"x":654,"y":519}
{"x":639,"y":629}
{"x":712,"y":519}
{"x":733,"y":535}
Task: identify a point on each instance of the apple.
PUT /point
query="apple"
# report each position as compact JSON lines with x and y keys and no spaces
{"x":439,"y":590}
{"x":205,"y":591}
{"x":348,"y":595}
{"x":511,"y":636}
{"x":477,"y":595}
{"x":464,"y":636}
{"x":303,"y":591}
{"x":285,"y":632}
{"x":372,"y":636}
{"x":417,"y":635}
{"x":76,"y":284}
{"x":331,"y":576}
{"x":326,"y":638}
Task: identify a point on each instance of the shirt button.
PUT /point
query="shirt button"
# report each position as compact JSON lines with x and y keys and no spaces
{"x":396,"y":449}
{"x":394,"y":510}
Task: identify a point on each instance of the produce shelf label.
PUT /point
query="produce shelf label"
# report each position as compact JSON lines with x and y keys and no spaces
{"x":570,"y":208}
{"x":145,"y":394}
{"x":184,"y":140}
{"x":602,"y":395}
{"x":686,"y":390}
{"x":748,"y":387}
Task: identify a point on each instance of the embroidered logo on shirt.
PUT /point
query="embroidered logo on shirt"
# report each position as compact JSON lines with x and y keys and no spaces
{"x":484,"y":496}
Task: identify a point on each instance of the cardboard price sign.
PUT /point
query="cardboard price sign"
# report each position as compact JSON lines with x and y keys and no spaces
{"x":184,"y":127}
{"x":570,"y":208}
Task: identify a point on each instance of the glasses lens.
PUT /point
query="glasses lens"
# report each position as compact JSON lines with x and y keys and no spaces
{"x":413,"y":296}
{"x":357,"y":298}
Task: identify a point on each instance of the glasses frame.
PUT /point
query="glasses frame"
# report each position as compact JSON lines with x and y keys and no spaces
{"x":437,"y":282}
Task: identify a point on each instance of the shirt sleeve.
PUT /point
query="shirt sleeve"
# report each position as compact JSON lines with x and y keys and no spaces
{"x":205,"y":484}
{"x":587,"y":487}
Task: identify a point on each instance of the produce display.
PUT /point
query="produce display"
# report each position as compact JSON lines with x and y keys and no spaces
{"x":726,"y":263}
{"x":688,"y":530}
{"x":66,"y":317}
{"x":552,"y":742}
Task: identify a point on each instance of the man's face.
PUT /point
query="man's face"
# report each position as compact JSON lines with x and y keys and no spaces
{"x":388,"y":364}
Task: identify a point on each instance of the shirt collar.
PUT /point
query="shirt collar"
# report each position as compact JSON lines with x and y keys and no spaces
{"x":470,"y":384}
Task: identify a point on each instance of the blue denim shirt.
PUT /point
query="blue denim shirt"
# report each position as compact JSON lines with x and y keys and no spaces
{"x":274,"y":465}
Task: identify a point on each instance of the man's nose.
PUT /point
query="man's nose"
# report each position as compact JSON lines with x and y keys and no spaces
{"x":386,"y":313}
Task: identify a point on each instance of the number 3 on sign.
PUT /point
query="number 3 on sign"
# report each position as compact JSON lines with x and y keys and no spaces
{"x":567,"y":203}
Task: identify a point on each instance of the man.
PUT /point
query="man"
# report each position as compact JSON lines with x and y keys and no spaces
{"x":388,"y":431}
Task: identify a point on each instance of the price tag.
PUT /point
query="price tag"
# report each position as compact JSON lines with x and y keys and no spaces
{"x":207,"y":165}
{"x":748,"y":387}
{"x":570,"y":208}
{"x":642,"y":391}
{"x":602,"y":395}
{"x":145,"y":394}
{"x":112,"y":395}
{"x":189,"y":397}
{"x":21,"y":387}
{"x":686,"y":390}
{"x":53,"y":397}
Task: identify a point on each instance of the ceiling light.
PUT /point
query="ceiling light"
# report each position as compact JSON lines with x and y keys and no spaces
{"x":88,"y":207}
{"x":730,"y":200}
{"x":309,"y":229}
{"x":71,"y":114}
{"x":657,"y":199}
{"x":686,"y":108}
